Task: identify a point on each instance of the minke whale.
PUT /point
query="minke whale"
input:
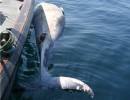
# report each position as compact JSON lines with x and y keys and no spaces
{"x":49,"y":22}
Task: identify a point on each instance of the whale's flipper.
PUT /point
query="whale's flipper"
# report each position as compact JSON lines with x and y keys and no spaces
{"x":49,"y":22}
{"x":49,"y":82}
{"x":66,"y":83}
{"x":72,"y":83}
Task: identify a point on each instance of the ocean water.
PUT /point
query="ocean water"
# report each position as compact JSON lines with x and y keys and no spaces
{"x":95,"y":48}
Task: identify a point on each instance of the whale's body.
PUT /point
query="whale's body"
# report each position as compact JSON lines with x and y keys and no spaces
{"x":49,"y":22}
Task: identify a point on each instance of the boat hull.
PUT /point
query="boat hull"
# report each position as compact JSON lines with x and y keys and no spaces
{"x":8,"y":66}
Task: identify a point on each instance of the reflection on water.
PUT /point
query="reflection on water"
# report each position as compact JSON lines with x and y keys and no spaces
{"x":94,"y":48}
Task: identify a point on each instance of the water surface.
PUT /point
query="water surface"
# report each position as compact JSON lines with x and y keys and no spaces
{"x":95,"y":48}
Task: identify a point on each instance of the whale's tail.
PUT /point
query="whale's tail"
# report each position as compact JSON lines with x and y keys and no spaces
{"x":49,"y":23}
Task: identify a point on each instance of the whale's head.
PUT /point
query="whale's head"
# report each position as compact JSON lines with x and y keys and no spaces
{"x":50,"y":19}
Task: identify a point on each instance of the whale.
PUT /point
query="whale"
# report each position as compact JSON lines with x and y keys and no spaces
{"x":49,"y":23}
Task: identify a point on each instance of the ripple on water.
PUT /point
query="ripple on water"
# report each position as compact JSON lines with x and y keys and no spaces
{"x":93,"y":48}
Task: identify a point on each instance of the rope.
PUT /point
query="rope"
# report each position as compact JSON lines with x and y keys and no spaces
{"x":6,"y":43}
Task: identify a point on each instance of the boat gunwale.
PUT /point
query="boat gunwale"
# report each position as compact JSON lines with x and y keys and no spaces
{"x":14,"y":28}
{"x":20,"y":32}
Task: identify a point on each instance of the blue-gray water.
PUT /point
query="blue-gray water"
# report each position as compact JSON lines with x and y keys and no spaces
{"x":95,"y":48}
